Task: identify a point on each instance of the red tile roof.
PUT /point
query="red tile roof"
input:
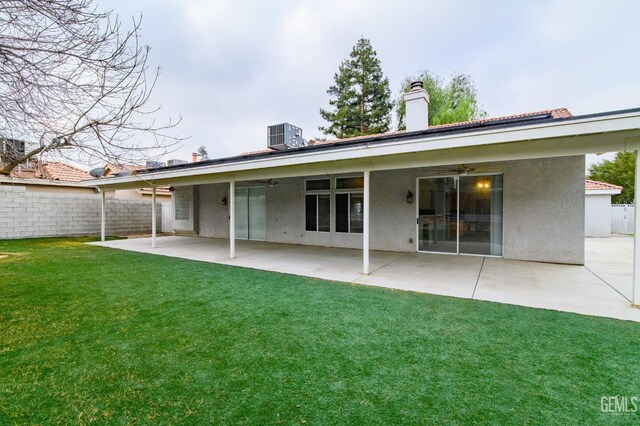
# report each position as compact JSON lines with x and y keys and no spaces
{"x":52,"y":171}
{"x":64,"y":172}
{"x":594,"y":185}
{"x":555,"y":113}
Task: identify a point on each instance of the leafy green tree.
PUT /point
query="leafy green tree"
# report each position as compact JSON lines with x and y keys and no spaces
{"x":619,"y":171}
{"x":453,"y":102}
{"x":360,"y":96}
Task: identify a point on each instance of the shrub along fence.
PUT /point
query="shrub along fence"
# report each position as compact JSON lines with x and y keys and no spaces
{"x":30,"y":214}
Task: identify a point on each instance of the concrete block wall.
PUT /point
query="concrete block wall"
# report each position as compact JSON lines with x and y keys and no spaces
{"x":25,"y":214}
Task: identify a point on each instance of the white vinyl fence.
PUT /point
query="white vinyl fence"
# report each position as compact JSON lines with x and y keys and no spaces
{"x":622,"y":218}
{"x":167,"y":217}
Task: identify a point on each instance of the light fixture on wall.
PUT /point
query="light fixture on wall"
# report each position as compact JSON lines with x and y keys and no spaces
{"x":224,"y":201}
{"x":409,"y":197}
{"x":483,"y":185}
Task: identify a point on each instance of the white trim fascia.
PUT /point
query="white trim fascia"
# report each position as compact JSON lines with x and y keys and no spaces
{"x":547,"y":130}
{"x":47,"y":182}
{"x":602,"y":191}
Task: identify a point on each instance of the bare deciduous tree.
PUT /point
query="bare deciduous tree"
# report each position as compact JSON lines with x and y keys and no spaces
{"x":71,"y":76}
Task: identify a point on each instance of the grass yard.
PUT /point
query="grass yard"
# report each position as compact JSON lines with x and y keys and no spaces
{"x":90,"y":334}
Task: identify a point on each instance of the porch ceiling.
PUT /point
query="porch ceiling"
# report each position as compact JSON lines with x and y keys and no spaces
{"x":572,"y":137}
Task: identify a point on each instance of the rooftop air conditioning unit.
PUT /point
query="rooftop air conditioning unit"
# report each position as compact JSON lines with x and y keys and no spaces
{"x":154,"y":164}
{"x":12,"y":148}
{"x":175,"y":162}
{"x":284,"y":136}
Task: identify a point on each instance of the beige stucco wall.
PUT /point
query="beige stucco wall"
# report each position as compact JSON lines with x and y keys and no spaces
{"x":51,"y":188}
{"x":543,"y":211}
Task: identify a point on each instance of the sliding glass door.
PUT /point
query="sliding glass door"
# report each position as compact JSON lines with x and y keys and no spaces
{"x":460,"y":214}
{"x":437,"y":215}
{"x":251,"y":213}
{"x":481,"y":215}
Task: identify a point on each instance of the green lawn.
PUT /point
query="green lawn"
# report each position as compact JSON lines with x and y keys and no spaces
{"x":95,"y":334}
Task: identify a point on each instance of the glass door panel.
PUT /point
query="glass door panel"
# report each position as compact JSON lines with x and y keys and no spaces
{"x":258,"y":213}
{"x":481,"y":215}
{"x":242,"y":213}
{"x":437,"y":215}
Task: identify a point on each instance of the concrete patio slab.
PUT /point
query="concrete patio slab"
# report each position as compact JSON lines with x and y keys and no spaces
{"x":543,"y":285}
{"x":441,"y":274}
{"x":602,"y":287}
{"x":612,"y":260}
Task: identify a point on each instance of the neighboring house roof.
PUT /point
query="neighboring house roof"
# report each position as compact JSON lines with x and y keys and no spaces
{"x":594,"y":185}
{"x":50,"y":170}
{"x":111,"y":169}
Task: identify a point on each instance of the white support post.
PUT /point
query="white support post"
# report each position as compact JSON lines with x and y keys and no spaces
{"x":635,"y":298}
{"x":365,"y":224}
{"x":153,"y":217}
{"x":232,"y":219}
{"x":103,"y":214}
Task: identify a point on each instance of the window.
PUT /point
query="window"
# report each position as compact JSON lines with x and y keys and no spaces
{"x":349,"y":212}
{"x":318,"y":185}
{"x":356,"y":182}
{"x":318,"y":205}
{"x":349,"y":204}
{"x":317,"y":212}
{"x":181,"y":201}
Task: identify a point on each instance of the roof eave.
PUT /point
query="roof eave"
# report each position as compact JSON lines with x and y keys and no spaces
{"x":413,"y":142}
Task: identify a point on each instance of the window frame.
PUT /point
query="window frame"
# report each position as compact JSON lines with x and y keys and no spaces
{"x":349,"y":193}
{"x":317,"y":193}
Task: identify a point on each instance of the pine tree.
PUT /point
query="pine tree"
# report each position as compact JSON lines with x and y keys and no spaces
{"x":360,"y":96}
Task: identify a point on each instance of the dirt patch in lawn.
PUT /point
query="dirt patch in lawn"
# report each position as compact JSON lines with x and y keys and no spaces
{"x":10,"y":257}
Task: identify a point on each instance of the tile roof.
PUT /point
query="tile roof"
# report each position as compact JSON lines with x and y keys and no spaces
{"x":64,"y":172}
{"x":594,"y":185}
{"x":52,"y":170}
{"x":554,"y":113}
{"x":113,"y":169}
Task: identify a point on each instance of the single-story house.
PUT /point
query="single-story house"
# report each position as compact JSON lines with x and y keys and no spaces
{"x":57,"y":176}
{"x":162,"y":193}
{"x":49,"y":176}
{"x":597,"y":207}
{"x":511,"y":186}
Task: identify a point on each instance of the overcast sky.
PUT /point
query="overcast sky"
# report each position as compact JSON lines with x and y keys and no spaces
{"x":233,"y":67}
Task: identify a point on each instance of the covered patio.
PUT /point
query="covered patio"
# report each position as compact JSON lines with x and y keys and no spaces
{"x":603,"y":287}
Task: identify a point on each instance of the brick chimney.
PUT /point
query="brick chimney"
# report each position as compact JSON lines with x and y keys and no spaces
{"x":194,"y":157}
{"x":417,"y":107}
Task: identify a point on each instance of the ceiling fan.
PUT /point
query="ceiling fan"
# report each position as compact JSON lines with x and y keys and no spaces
{"x":268,"y":182}
{"x":461,"y":170}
